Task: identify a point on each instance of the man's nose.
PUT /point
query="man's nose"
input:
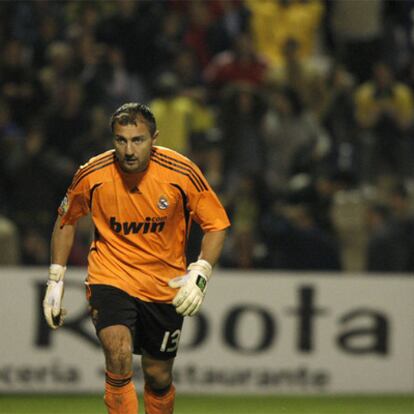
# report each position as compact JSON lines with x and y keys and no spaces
{"x":129,"y":150}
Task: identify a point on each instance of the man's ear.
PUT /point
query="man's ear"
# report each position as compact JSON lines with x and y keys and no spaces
{"x":155,"y":136}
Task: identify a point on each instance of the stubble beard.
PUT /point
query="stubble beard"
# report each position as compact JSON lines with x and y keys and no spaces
{"x":140,"y":166}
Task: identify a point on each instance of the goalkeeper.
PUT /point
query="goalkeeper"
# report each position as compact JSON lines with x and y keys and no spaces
{"x":142,"y":199}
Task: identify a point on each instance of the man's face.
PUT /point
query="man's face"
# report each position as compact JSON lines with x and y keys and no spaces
{"x":132,"y":145}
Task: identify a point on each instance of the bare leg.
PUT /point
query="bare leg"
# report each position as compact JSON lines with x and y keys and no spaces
{"x":120,"y":396}
{"x":117,"y":346}
{"x":159,"y":393}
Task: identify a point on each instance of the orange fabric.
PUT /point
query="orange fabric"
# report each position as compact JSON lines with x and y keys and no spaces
{"x":142,"y":220}
{"x":156,"y":404}
{"x":120,"y":399}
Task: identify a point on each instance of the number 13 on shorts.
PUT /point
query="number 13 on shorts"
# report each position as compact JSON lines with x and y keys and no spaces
{"x":170,"y":341}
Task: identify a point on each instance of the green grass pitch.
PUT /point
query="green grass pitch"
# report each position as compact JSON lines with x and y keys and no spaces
{"x":185,"y":404}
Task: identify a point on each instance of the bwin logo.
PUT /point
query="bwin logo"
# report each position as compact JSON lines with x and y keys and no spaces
{"x":150,"y":225}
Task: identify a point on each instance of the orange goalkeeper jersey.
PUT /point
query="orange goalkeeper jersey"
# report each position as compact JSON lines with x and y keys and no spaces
{"x":141,"y":220}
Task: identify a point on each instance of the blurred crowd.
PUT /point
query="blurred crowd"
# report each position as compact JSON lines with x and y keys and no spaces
{"x":299,"y":112}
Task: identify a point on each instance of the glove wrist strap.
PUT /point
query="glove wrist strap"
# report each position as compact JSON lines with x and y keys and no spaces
{"x":202,"y":265}
{"x":56,"y":272}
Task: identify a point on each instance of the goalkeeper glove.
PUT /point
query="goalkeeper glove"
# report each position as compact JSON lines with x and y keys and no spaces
{"x":193,"y":286}
{"x":52,"y":302}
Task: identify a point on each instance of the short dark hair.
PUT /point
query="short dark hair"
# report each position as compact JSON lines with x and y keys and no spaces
{"x":130,"y":112}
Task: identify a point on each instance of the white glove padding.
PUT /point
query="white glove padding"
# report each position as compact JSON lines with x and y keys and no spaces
{"x":52,"y":302}
{"x":193,"y":286}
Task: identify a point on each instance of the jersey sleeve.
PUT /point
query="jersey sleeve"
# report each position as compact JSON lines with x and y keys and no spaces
{"x":76,"y":202}
{"x":204,"y":205}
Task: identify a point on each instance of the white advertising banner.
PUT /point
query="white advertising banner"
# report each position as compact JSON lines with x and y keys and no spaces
{"x":258,"y":332}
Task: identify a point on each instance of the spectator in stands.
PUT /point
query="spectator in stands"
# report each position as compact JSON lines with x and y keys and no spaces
{"x":17,"y":83}
{"x":95,"y":139}
{"x":66,"y":120}
{"x":48,"y":33}
{"x":60,"y":68}
{"x":188,"y":72}
{"x":318,"y":192}
{"x":91,"y":67}
{"x":241,"y":63}
{"x":295,"y":242}
{"x":348,"y":216}
{"x":33,"y":190}
{"x":300,"y":74}
{"x":386,"y":250}
{"x":35,"y":247}
{"x":196,"y":31}
{"x":168,"y":42}
{"x":118,"y":84}
{"x":338,"y":105}
{"x":28,"y":180}
{"x":398,"y":42}
{"x":186,"y":119}
{"x":357,"y":29}
{"x":337,"y":115}
{"x":9,"y":243}
{"x":246,"y":205}
{"x":384,"y":111}
{"x":84,"y":17}
{"x":273,"y":22}
{"x":240,"y":124}
{"x":400,"y":202}
{"x":12,"y":137}
{"x":232,"y":18}
{"x":295,"y":141}
{"x":130,"y":27}
{"x":26,"y":18}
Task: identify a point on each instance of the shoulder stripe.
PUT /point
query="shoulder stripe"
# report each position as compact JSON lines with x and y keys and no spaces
{"x":196,"y":185}
{"x":187,"y":165}
{"x":174,"y":167}
{"x":183,"y":166}
{"x":85,"y":171}
{"x":98,"y":167}
{"x":88,"y":166}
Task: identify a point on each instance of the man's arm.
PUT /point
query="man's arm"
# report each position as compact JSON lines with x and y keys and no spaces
{"x":211,"y":246}
{"x":62,"y":242}
{"x":61,"y":245}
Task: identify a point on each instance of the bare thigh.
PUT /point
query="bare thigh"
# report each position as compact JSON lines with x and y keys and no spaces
{"x":116,"y":342}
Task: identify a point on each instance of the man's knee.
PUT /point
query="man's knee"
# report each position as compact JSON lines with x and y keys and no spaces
{"x":158,"y":379}
{"x":158,"y":374}
{"x":117,"y":345}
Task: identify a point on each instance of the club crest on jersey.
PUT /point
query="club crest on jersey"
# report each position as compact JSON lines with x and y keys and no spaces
{"x":64,"y":205}
{"x":163,"y":203}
